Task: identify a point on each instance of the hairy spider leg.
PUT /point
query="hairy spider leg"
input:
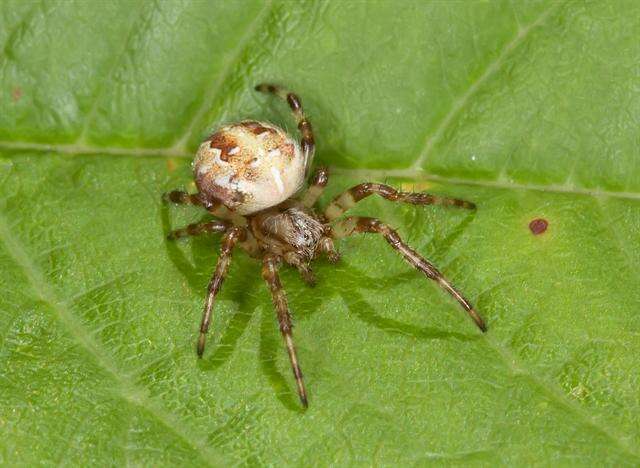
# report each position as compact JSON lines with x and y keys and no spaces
{"x":270,"y":266}
{"x":229,"y":241}
{"x":215,"y":208}
{"x":195,"y":229}
{"x":183,"y":198}
{"x":357,"y":224}
{"x":303,"y":267}
{"x":326,"y":247}
{"x":307,"y":141}
{"x":349,"y":198}
{"x":317,"y":184}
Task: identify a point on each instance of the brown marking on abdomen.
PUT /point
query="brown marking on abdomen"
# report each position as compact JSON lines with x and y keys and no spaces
{"x":256,"y":127}
{"x":288,"y":149}
{"x":225,"y":143}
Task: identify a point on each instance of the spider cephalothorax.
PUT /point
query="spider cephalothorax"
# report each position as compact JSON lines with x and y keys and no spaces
{"x":249,"y":175}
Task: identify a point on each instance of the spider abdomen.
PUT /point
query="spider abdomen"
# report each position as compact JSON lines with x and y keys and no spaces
{"x":249,"y":166}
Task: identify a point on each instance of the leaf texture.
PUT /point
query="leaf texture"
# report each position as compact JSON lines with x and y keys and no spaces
{"x":529,"y":109}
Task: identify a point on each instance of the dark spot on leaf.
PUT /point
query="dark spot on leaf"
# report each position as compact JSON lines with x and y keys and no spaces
{"x":16,"y":94}
{"x":538,"y":226}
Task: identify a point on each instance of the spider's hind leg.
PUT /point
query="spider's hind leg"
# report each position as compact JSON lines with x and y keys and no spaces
{"x":325,"y":246}
{"x":196,"y":229}
{"x":270,"y":266}
{"x":229,"y":241}
{"x":358,"y":224}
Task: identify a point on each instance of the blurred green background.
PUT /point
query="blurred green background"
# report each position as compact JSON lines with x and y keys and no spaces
{"x":530,"y":109}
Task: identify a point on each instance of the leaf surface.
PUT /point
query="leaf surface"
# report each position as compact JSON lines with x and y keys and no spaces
{"x":529,"y":109}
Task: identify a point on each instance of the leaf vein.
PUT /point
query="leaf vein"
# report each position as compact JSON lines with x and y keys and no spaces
{"x":180,"y":145}
{"x":511,"y":361}
{"x":491,"y":69}
{"x":107,"y":76}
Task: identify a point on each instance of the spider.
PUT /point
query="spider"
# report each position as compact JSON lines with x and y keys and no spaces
{"x":249,"y":175}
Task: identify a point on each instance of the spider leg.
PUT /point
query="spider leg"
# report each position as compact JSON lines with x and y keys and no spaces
{"x":215,"y":208}
{"x":183,"y":198}
{"x":348,"y":199}
{"x":307,"y":141}
{"x":196,"y":229}
{"x":270,"y":267}
{"x":316,"y":187}
{"x":326,"y":246}
{"x":230,"y":239}
{"x":250,"y":245}
{"x":303,"y":267}
{"x":357,"y":224}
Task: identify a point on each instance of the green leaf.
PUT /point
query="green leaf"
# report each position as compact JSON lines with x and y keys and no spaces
{"x":530,"y":109}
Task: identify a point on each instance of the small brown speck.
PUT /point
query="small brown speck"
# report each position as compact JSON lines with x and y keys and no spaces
{"x":171,"y":165}
{"x":16,"y":94}
{"x":538,"y":226}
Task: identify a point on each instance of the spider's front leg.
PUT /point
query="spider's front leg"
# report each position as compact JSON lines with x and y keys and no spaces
{"x":307,"y":142}
{"x":348,"y":199}
{"x":317,"y":184}
{"x":326,"y":247}
{"x":358,"y":224}
{"x":229,"y":241}
{"x":270,"y":266}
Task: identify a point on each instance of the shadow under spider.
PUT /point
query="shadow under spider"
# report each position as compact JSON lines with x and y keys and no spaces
{"x":204,"y":251}
{"x":192,"y":273}
{"x":270,"y":348}
{"x":331,"y":281}
{"x":358,"y":305}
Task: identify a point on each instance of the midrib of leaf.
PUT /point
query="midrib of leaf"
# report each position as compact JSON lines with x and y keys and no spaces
{"x":179,"y":148}
{"x":491,"y":69}
{"x":125,"y":389}
{"x":378,"y":174}
{"x":76,"y":149}
{"x":369,"y":174}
